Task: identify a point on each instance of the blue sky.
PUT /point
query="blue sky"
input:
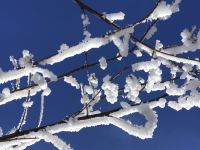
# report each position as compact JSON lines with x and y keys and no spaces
{"x":42,"y":26}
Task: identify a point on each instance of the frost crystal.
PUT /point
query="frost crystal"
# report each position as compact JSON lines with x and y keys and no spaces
{"x":1,"y":132}
{"x":132,"y":88}
{"x":26,"y":60}
{"x":46,"y":92}
{"x":86,"y":22}
{"x":137,"y":53}
{"x":88,"y":89}
{"x":158,"y":45}
{"x":6,"y":91}
{"x":38,"y":79}
{"x":151,"y":32}
{"x":63,"y":47}
{"x":164,"y":11}
{"x":123,"y":45}
{"x":103,"y":63}
{"x":124,"y":105}
{"x":16,"y":74}
{"x":174,"y":90}
{"x":55,"y":140}
{"x":72,"y":81}
{"x":85,"y":99}
{"x":110,"y":90}
{"x":115,"y":16}
{"x":27,"y":104}
{"x":146,"y":66}
{"x":93,"y":80}
{"x":186,"y":35}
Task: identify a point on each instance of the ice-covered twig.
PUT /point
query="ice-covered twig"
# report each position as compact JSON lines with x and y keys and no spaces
{"x":101,"y":119}
{"x":16,"y":74}
{"x":86,"y":46}
{"x":167,"y":56}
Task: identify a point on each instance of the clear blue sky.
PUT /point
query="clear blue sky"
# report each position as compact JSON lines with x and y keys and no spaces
{"x":41,"y":26}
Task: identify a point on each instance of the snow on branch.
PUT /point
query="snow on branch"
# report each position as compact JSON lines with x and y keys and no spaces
{"x":114,"y":16}
{"x":110,"y":89}
{"x":55,"y":140}
{"x":16,"y":74}
{"x":191,"y":43}
{"x":142,"y":132}
{"x":72,"y":81}
{"x":107,"y":118}
{"x":187,"y":101}
{"x":19,"y":94}
{"x":168,"y":56}
{"x":163,"y":11}
{"x":86,"y":46}
{"x":89,"y":116}
{"x":34,"y":137}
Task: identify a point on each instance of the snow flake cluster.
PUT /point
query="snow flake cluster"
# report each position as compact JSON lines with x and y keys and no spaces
{"x":163,"y":11}
{"x":103,"y":63}
{"x":72,"y":81}
{"x":132,"y":88}
{"x":110,"y":89}
{"x":86,"y":22}
{"x":122,"y":45}
{"x":146,"y":76}
{"x":114,"y":16}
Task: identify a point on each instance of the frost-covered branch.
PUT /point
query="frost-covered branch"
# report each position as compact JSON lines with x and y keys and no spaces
{"x":140,"y":74}
{"x":74,"y":125}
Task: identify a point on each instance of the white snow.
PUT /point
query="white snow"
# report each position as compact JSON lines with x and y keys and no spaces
{"x":124,"y":105}
{"x":122,"y":45}
{"x":46,"y":92}
{"x":1,"y":131}
{"x":142,"y":132}
{"x":63,"y":47}
{"x":14,"y":62}
{"x":110,"y":89}
{"x":85,"y":99}
{"x":114,"y":16}
{"x":138,"y":53}
{"x":27,"y":104}
{"x":88,"y":89}
{"x":173,"y":89}
{"x":132,"y":88}
{"x":26,"y":60}
{"x":85,"y":19}
{"x":92,"y":79}
{"x":75,"y":125}
{"x":151,"y":32}
{"x":19,"y":94}
{"x":170,"y":56}
{"x":50,"y":138}
{"x":153,"y":78}
{"x":103,"y":63}
{"x":186,"y":35}
{"x":86,"y":46}
{"x":6,"y":91}
{"x":158,"y":45}
{"x":16,"y":74}
{"x":187,"y":101}
{"x":189,"y":44}
{"x":146,"y":65}
{"x":86,"y":22}
{"x":72,"y":81}
{"x":41,"y":110}
{"x":38,"y":79}
{"x":153,"y":69}
{"x":163,"y":11}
